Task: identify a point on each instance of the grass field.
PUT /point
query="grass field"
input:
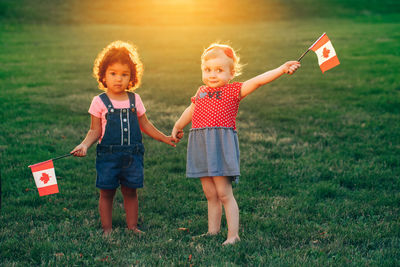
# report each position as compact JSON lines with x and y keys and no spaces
{"x":319,"y":152}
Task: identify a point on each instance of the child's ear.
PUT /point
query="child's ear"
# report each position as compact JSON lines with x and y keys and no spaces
{"x":233,"y":73}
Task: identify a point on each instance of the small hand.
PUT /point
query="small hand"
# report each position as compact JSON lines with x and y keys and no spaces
{"x":177,"y":133}
{"x":290,"y":67}
{"x":79,"y":151}
{"x":171,"y":141}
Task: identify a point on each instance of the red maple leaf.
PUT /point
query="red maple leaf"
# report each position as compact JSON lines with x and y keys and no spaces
{"x":45,"y":178}
{"x":325,"y":52}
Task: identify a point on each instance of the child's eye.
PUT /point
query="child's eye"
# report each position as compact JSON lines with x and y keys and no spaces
{"x":220,"y":70}
{"x":125,"y":75}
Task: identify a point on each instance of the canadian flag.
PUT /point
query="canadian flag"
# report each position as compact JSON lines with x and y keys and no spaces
{"x":45,"y":177}
{"x":326,"y":54}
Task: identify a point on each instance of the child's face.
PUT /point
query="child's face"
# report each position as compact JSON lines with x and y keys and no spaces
{"x":217,"y":71}
{"x":117,"y":77}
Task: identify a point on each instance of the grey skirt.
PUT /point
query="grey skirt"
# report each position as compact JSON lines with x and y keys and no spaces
{"x":213,"y":152}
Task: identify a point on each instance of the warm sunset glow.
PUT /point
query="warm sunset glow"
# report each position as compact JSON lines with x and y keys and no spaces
{"x":177,"y":12}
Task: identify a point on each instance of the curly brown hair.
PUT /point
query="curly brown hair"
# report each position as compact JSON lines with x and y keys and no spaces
{"x":124,"y":53}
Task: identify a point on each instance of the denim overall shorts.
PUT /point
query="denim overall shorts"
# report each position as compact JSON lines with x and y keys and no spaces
{"x":120,"y":154}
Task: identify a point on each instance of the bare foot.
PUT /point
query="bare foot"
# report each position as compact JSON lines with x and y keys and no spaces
{"x":107,"y":232}
{"x":231,"y":241}
{"x":137,"y":231}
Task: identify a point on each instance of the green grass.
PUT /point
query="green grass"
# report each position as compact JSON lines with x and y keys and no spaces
{"x":319,"y":152}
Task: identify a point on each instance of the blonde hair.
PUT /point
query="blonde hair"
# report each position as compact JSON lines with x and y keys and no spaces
{"x":215,"y":49}
{"x":121,"y":52}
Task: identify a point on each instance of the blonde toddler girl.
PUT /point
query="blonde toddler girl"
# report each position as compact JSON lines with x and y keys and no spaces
{"x":213,"y":147}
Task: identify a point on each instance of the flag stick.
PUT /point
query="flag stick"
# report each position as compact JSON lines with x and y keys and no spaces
{"x":303,"y":55}
{"x":63,"y":156}
{"x":60,"y":157}
{"x":310,"y":47}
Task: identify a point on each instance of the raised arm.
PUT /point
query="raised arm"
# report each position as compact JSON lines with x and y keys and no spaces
{"x":251,"y":85}
{"x":184,"y":120}
{"x":148,"y":128}
{"x":92,"y":136}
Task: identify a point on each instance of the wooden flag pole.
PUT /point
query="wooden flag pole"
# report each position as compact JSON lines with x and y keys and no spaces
{"x":303,"y":55}
{"x":310,"y":48}
{"x":63,"y":156}
{"x":56,"y":158}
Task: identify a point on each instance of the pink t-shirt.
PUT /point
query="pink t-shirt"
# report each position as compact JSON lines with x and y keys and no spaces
{"x":216,"y":107}
{"x":99,"y":110}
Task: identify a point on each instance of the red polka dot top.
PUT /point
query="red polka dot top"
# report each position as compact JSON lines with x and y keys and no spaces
{"x":216,"y":107}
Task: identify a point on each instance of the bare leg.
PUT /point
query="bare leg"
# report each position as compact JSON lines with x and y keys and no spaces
{"x":105,"y":208}
{"x":131,"y":206}
{"x":214,"y":205}
{"x":225,"y":195}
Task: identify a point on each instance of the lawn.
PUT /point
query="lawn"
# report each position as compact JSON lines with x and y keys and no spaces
{"x":320,"y":153}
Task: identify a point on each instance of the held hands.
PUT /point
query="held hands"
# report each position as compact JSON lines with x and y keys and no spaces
{"x":177,"y":133}
{"x":175,"y":137}
{"x":170,"y":140}
{"x":79,"y":151}
{"x":290,"y":67}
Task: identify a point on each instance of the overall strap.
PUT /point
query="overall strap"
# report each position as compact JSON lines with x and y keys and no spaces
{"x":131,"y":101}
{"x":107,"y":102}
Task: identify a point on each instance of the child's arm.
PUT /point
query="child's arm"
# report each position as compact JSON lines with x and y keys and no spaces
{"x":148,"y":128}
{"x":251,"y":85}
{"x":185,"y":119}
{"x":92,"y":136}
